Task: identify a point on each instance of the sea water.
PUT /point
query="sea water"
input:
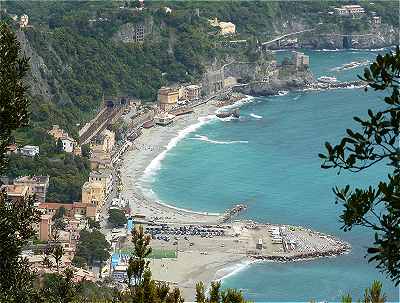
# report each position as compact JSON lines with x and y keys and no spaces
{"x":268,"y":160}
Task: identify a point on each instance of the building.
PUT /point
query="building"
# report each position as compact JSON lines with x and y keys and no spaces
{"x":72,"y":209}
{"x":11,"y":149}
{"x":16,"y":192}
{"x":192,"y":92}
{"x":93,"y":193}
{"x":226,"y":28}
{"x":23,"y":21}
{"x":29,"y":150}
{"x":44,"y":227}
{"x":167,"y":98}
{"x":104,"y":176}
{"x":68,"y":144}
{"x":103,"y":142}
{"x":376,"y":20}
{"x":38,"y":185}
{"x":119,"y":273}
{"x":300,"y":61}
{"x":139,"y":32}
{"x":349,"y":10}
{"x":57,"y":133}
{"x":100,"y":160}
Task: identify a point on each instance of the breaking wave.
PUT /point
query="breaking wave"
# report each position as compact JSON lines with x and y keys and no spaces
{"x":206,"y":139}
{"x":256,"y":116}
{"x":155,"y":164}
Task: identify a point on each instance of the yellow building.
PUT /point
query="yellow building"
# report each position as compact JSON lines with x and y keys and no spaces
{"x":168,"y":97}
{"x":93,"y":193}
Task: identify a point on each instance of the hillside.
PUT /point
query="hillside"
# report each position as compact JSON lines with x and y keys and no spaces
{"x":79,"y":52}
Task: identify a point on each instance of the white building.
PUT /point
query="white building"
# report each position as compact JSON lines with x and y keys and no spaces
{"x":23,"y":21}
{"x":68,"y":144}
{"x":29,"y":150}
{"x":347,"y":10}
{"x":119,"y":273}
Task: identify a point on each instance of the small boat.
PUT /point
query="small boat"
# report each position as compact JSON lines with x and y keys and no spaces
{"x":326,"y":79}
{"x":235,"y":113}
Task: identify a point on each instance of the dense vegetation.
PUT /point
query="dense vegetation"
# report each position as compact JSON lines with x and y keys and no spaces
{"x":116,"y":217}
{"x":67,"y":174}
{"x":93,"y":247}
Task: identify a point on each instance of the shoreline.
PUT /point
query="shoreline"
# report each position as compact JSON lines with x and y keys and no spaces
{"x":139,"y":165}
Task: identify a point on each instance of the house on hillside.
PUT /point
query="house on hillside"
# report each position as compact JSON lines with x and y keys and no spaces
{"x":38,"y":185}
{"x":29,"y":150}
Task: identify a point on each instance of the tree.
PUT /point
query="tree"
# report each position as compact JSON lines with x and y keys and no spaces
{"x":16,"y":218}
{"x":216,"y":295}
{"x":372,"y":294}
{"x":93,"y":224}
{"x":376,"y":207}
{"x":141,"y":287}
{"x":116,"y":217}
{"x":93,"y":247}
{"x":13,"y":89}
{"x":79,"y":262}
{"x":59,"y":146}
{"x":60,"y":213}
{"x":137,"y":263}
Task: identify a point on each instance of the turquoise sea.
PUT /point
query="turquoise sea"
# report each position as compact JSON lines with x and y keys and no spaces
{"x":268,"y":159}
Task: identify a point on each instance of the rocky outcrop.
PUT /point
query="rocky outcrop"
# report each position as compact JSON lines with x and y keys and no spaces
{"x":291,"y":81}
{"x":39,"y":72}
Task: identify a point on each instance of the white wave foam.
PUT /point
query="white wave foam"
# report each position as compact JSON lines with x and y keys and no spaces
{"x":206,"y":139}
{"x":148,"y":192}
{"x":256,"y":116}
{"x":155,"y":164}
{"x":282,"y":92}
{"x":239,"y":103}
{"x":231,"y":270}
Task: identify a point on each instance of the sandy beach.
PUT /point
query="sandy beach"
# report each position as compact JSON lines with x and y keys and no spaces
{"x":190,"y":266}
{"x":150,"y":145}
{"x":206,"y":248}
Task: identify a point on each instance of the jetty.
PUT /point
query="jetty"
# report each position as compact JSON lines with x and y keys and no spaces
{"x":234,"y":211}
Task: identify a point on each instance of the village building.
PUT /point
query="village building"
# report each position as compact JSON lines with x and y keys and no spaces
{"x":23,"y":21}
{"x":226,"y":28}
{"x":192,"y":92}
{"x":349,"y":10}
{"x":376,"y":20}
{"x":57,"y":133}
{"x":29,"y":150}
{"x":100,"y":160}
{"x":93,"y":193}
{"x":43,"y":228}
{"x":300,"y":61}
{"x":16,"y":192}
{"x":11,"y":149}
{"x":38,"y":185}
{"x":69,"y":145}
{"x":104,"y":176}
{"x":103,"y":142}
{"x":168,"y":98}
{"x":75,"y":209}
